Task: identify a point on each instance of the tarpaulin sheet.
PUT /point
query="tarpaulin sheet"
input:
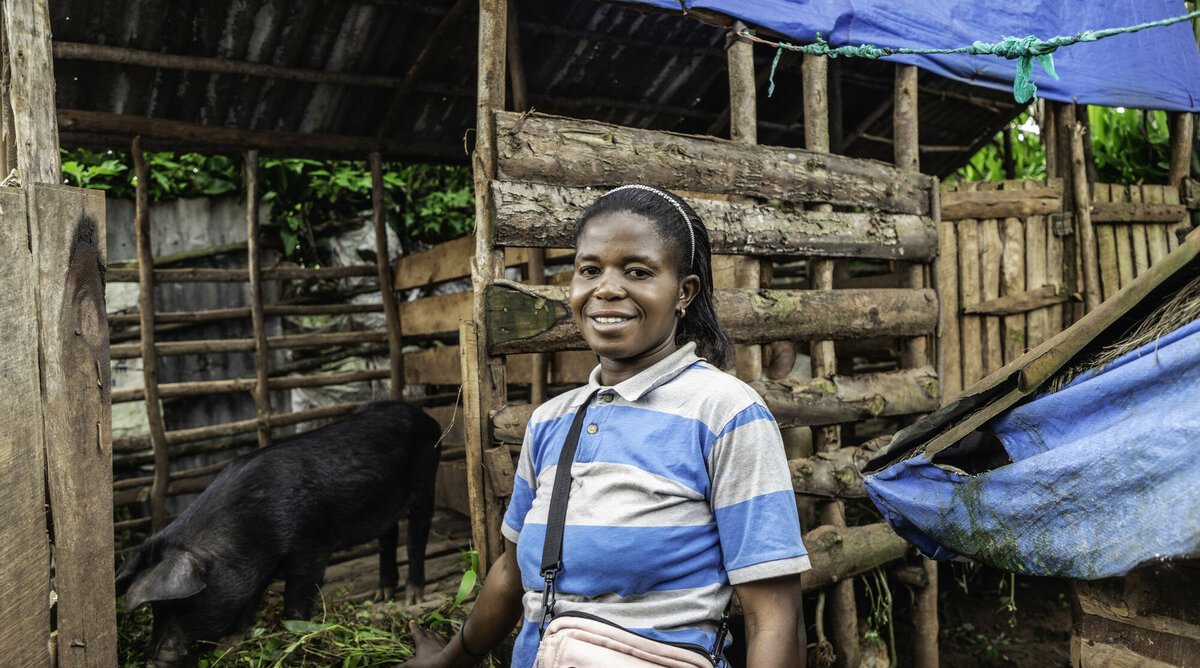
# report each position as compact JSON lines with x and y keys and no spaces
{"x":1153,"y":69}
{"x":1104,"y":476}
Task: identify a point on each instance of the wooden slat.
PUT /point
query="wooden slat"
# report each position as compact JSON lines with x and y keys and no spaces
{"x":564,"y":151}
{"x":78,"y":427}
{"x":24,"y":547}
{"x":211,"y":275}
{"x":1020,"y":302}
{"x":1133,"y":211}
{"x":1012,"y":283}
{"x":243,"y":312}
{"x":537,"y":318}
{"x":949,"y":340}
{"x":1171,"y":196}
{"x":537,"y":215}
{"x":262,"y":398}
{"x":1106,"y":247}
{"x":990,"y":248}
{"x":1138,"y":232}
{"x":1039,"y":201}
{"x":1120,"y":193}
{"x":1037,"y":322}
{"x":1156,"y":235}
{"x":1054,"y":275}
{"x":969,"y":288}
{"x":451,"y":260}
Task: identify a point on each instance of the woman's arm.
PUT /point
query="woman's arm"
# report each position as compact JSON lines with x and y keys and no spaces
{"x":496,"y":613}
{"x":775,"y":636}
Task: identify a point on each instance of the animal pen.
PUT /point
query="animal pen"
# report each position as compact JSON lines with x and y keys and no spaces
{"x":900,"y":292}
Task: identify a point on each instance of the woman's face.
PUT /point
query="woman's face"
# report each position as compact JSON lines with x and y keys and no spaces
{"x":625,"y":293}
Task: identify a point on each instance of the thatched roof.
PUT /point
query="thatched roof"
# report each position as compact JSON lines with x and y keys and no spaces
{"x":399,"y":75}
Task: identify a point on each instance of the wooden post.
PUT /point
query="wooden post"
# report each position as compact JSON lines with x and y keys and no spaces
{"x":262,"y":396}
{"x":1049,"y":127}
{"x":1181,"y":148}
{"x":743,"y":127}
{"x":1083,"y":220}
{"x":824,"y":361}
{"x":488,"y":266}
{"x":906,"y":147}
{"x":24,"y":548}
{"x":535,"y":269}
{"x":387,"y":292}
{"x":27,"y":29}
{"x":1064,"y":123}
{"x":158,"y":430}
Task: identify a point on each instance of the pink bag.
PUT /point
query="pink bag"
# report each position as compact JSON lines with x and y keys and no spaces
{"x":575,"y":641}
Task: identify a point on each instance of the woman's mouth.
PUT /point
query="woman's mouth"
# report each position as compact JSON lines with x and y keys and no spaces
{"x":609,"y":322}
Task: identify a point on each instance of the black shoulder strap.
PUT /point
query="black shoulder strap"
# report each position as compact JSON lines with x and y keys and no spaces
{"x":552,"y":549}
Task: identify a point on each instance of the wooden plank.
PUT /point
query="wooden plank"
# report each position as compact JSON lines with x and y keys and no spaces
{"x":538,"y":215}
{"x":969,"y":288}
{"x":1043,"y":201}
{"x":387,"y":293}
{"x":990,"y":249}
{"x":1012,"y":283}
{"x":1171,"y":195}
{"x":1037,"y":322}
{"x":950,"y":345}
{"x":1134,"y":211}
{"x":1018,"y":303}
{"x":24,"y":547}
{"x":1156,"y":235}
{"x":451,"y":260}
{"x":564,"y":151}
{"x":31,"y":63}
{"x":434,"y":315}
{"x":78,"y":428}
{"x":1124,"y":242}
{"x":522,"y":318}
{"x":261,"y":393}
{"x":1137,"y":231}
{"x":451,"y":419}
{"x":1055,"y":275}
{"x":1106,"y":247}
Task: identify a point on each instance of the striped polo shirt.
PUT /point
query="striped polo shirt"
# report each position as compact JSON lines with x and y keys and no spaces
{"x":680,"y":489}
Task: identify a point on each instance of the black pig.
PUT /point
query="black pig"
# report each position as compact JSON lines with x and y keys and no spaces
{"x":283,"y":510}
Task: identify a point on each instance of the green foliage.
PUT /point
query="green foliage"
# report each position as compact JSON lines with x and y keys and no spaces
{"x":1029,"y":155}
{"x":423,"y":203}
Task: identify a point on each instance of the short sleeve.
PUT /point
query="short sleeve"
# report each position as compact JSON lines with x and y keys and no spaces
{"x":523,"y":490}
{"x":753,"y":500}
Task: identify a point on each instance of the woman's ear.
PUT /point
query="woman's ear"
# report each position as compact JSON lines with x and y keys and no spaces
{"x":689,"y":287}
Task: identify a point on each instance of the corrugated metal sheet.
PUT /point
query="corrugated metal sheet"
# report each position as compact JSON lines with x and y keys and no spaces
{"x":582,"y":58}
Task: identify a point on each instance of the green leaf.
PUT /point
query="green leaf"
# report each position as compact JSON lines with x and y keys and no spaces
{"x":465,"y":587}
{"x":302,"y":626}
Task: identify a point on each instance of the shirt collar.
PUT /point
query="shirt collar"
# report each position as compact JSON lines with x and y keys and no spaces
{"x":646,"y":380}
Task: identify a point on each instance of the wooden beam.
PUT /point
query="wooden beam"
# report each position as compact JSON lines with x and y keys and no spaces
{"x":161,"y":133}
{"x":531,"y":214}
{"x":262,"y":397}
{"x":100,"y":53}
{"x":24,"y":544}
{"x":836,"y":474}
{"x":842,"y":399}
{"x":959,"y":204}
{"x":154,"y":416}
{"x":839,"y":553}
{"x":27,"y":33}
{"x":563,"y":151}
{"x":451,"y":260}
{"x":1137,"y":212}
{"x":1021,"y":302}
{"x":387,"y":293}
{"x":522,"y":318}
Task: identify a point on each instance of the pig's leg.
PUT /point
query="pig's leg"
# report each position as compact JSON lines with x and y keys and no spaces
{"x":389,"y":571}
{"x":420,"y":517}
{"x":302,"y":583}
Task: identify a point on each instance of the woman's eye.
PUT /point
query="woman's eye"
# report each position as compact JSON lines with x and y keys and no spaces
{"x":588,"y":271}
{"x":639,"y":273}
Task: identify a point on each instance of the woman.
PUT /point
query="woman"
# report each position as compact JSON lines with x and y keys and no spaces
{"x":681,"y":490}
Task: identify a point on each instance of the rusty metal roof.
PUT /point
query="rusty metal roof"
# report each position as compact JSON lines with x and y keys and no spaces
{"x":582,"y":58}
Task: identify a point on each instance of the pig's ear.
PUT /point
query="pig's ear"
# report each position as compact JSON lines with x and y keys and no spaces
{"x":176,"y":576}
{"x":135,"y":564}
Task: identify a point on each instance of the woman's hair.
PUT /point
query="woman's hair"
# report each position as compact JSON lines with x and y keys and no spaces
{"x":680,"y":226}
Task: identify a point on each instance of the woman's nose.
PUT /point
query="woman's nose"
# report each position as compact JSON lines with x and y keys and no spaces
{"x":609,"y":287}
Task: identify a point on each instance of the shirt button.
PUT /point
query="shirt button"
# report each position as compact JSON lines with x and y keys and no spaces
{"x":607,"y":397}
{"x":592,"y":428}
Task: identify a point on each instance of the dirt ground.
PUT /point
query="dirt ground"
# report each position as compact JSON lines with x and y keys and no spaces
{"x":982,"y":624}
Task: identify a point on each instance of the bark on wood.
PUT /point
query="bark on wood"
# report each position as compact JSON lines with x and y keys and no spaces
{"x":154,"y":416}
{"x":537,"y":318}
{"x":210,"y":275}
{"x":262,"y":398}
{"x":1020,"y":302}
{"x":24,"y":547}
{"x":530,"y":214}
{"x":78,"y":431}
{"x":163,"y":134}
{"x":1087,"y":235}
{"x":1137,"y":212}
{"x":840,"y":399}
{"x":1037,"y":323}
{"x":550,"y":149}
{"x":959,"y":204}
{"x":386,"y":292}
{"x":836,"y":474}
{"x":839,"y":553}
{"x":27,"y":31}
{"x":1182,"y":130}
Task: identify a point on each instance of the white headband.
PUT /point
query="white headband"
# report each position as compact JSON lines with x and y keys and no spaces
{"x":682,"y":214}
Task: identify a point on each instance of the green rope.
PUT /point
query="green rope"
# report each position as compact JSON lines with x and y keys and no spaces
{"x":1025,"y":50}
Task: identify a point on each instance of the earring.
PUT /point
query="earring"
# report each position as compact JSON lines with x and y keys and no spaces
{"x":681,"y":312}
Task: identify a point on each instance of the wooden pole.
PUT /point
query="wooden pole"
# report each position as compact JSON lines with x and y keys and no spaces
{"x":27,"y":27}
{"x":158,"y":439}
{"x":1181,"y":148}
{"x":1064,"y":122}
{"x":906,"y":149}
{"x":1083,"y":219}
{"x":535,"y":269}
{"x":844,"y":613}
{"x":8,"y":134}
{"x":262,"y":397}
{"x":489,"y":382}
{"x":386,"y":292}
{"x":743,"y":128}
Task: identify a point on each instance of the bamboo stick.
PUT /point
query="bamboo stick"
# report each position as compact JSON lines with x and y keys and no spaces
{"x":1087,"y":235}
{"x":158,"y":439}
{"x":824,"y":359}
{"x":262,"y":398}
{"x":387,"y":293}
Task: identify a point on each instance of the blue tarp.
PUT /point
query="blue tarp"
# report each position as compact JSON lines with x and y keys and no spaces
{"x":1153,"y":69}
{"x":1105,"y":475}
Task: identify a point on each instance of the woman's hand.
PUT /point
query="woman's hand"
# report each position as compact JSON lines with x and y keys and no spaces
{"x":427,"y":648}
